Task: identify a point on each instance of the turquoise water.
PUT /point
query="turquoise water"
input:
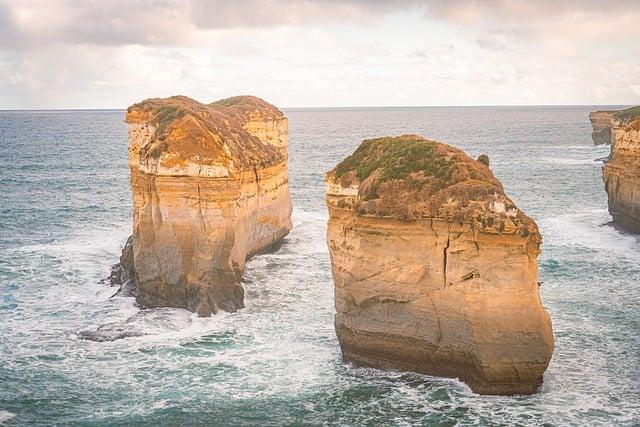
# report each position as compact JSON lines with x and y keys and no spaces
{"x":65,"y":212}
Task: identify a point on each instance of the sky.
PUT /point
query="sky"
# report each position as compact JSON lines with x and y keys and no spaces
{"x":319,"y":53}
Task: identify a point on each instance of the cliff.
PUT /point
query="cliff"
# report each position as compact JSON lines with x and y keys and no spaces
{"x":603,"y":123}
{"x":210,"y":189}
{"x":621,"y":173}
{"x":435,"y":268}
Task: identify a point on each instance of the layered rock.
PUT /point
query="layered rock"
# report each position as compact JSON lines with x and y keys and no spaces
{"x":621,"y":173}
{"x":435,"y":268}
{"x":210,"y":189}
{"x":603,"y":123}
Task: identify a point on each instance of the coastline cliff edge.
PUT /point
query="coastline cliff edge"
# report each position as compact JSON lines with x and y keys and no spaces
{"x":621,"y":171}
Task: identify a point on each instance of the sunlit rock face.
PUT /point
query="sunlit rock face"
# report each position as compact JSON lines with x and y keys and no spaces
{"x":210,"y":189}
{"x":621,"y":173}
{"x":435,"y":268}
{"x":603,"y":123}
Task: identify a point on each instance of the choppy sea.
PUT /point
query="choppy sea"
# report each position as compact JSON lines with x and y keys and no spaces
{"x":65,"y":212}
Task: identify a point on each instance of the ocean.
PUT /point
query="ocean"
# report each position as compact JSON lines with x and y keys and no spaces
{"x":65,"y":212}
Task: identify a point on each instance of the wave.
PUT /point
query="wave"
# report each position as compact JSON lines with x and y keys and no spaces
{"x":570,"y":162}
{"x":5,"y":416}
{"x":590,"y":229}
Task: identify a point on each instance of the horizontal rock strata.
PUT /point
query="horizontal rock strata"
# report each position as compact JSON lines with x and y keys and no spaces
{"x":621,"y":174}
{"x":603,"y":123}
{"x":435,"y":268}
{"x":210,"y":189}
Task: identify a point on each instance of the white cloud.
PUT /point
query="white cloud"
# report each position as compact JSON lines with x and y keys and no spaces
{"x":61,"y":53}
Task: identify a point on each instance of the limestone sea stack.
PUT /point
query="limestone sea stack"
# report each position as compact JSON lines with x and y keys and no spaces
{"x":435,"y":268}
{"x":621,"y":173}
{"x":210,"y":189}
{"x":603,"y":123}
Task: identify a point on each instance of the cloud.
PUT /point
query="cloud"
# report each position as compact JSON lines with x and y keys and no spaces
{"x":64,"y":53}
{"x":269,"y":13}
{"x":38,"y":23}
{"x":494,"y":40}
{"x":562,"y":25}
{"x":516,"y":12}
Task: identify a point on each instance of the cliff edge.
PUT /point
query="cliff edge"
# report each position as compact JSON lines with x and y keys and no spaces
{"x":210,"y":189}
{"x":603,"y":124}
{"x":435,"y":268}
{"x":621,"y":174}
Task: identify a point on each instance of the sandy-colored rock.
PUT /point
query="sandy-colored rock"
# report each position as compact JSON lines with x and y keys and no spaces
{"x":603,"y":123}
{"x":435,"y":268}
{"x":621,"y":173}
{"x":210,"y":189}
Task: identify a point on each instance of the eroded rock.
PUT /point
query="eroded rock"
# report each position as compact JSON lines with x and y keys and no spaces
{"x":621,"y":173}
{"x":435,"y":268}
{"x":210,"y":189}
{"x":603,"y":123}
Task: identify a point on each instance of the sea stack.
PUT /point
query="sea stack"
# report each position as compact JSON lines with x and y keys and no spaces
{"x":603,"y":123}
{"x":210,"y":189}
{"x":621,"y":173}
{"x":435,"y":268}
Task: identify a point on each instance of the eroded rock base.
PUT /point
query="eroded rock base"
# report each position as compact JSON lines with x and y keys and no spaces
{"x":225,"y":293}
{"x":623,"y":197}
{"x":406,"y":354}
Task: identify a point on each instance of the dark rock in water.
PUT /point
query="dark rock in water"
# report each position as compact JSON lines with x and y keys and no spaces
{"x":109,"y":332}
{"x":142,"y":323}
{"x":123,"y":274}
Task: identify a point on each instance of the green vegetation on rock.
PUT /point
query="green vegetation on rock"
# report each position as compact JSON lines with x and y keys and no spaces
{"x":397,"y":158}
{"x":166,"y":115}
{"x":629,"y":114}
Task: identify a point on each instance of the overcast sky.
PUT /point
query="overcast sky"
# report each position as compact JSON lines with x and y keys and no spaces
{"x":110,"y":54}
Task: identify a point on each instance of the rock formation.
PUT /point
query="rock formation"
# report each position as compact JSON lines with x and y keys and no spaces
{"x":621,"y":173}
{"x":210,"y":189}
{"x":603,"y":122}
{"x":435,"y":268}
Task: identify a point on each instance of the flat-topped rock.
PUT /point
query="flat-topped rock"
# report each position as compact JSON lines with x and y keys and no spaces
{"x":409,"y":177}
{"x":435,"y":267}
{"x":180,"y":136}
{"x":210,"y":189}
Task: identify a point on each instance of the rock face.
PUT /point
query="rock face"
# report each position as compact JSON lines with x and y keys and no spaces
{"x":603,"y":123}
{"x":210,"y":189}
{"x":621,"y":173}
{"x":435,"y":268}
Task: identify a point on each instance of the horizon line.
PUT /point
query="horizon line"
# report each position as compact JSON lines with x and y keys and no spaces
{"x":345,"y":107}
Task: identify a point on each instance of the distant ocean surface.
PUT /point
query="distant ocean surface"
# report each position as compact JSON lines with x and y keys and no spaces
{"x":65,"y":211}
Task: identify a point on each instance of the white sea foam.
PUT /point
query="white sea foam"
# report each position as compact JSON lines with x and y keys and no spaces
{"x":590,"y":229}
{"x":5,"y":416}
{"x":571,"y":162}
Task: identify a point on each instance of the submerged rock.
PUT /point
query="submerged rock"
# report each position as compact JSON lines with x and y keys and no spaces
{"x":621,"y":174}
{"x":435,"y":268}
{"x":210,"y":189}
{"x":110,"y":332}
